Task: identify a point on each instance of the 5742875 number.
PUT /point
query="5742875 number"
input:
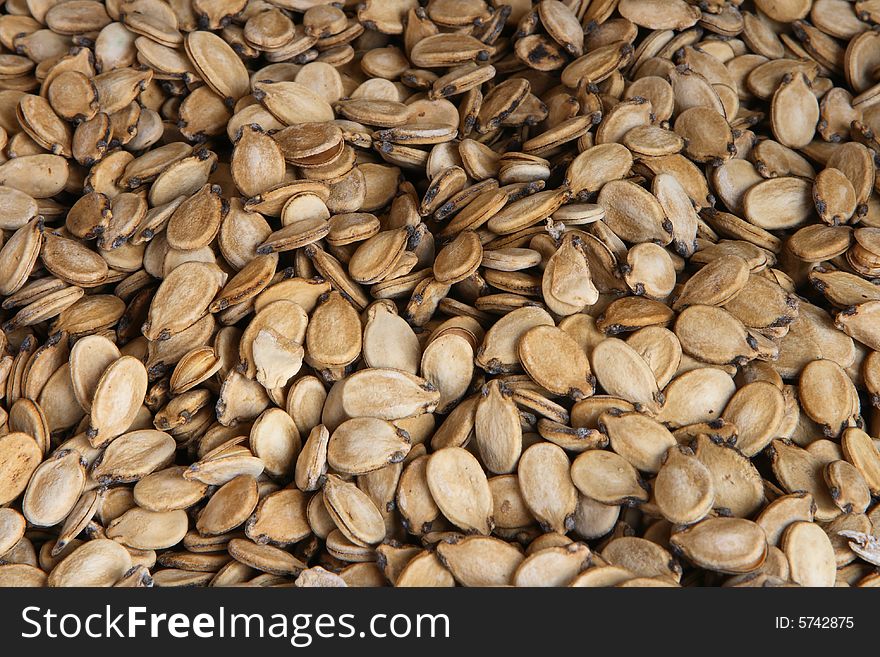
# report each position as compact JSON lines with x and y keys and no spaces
{"x":815,"y":622}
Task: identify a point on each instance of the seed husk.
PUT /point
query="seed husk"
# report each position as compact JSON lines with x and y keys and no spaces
{"x":784,"y":202}
{"x":798,"y":470}
{"x":99,"y":562}
{"x":567,"y":283}
{"x":623,"y":373}
{"x":757,"y":410}
{"x":546,"y":486}
{"x":353,"y":512}
{"x":23,"y":454}
{"x":363,"y":445}
{"x":531,"y":349}
{"x":824,"y":379}
{"x":810,"y":554}
{"x":266,"y":558}
{"x":782,"y":512}
{"x":167,"y":489}
{"x":148,"y":530}
{"x":54,"y":488}
{"x":275,"y":440}
{"x":683,"y":489}
{"x":640,"y":439}
{"x":12,"y":526}
{"x":608,"y":478}
{"x":118,"y":397}
{"x":729,"y":545}
{"x":468,"y":506}
{"x":847,"y":487}
{"x":862,"y":453}
{"x":642,"y":558}
{"x":133,"y":456}
{"x":480,"y":560}
{"x":229,"y":507}
{"x":553,"y":566}
{"x":497,"y":429}
{"x":738,"y":486}
{"x":311,"y":466}
{"x":280,"y":518}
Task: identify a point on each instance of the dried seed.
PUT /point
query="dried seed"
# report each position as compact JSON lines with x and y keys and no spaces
{"x":756,"y":410}
{"x":167,"y":490}
{"x":54,"y":488}
{"x":861,"y":452}
{"x":229,"y":507}
{"x":280,"y":518}
{"x":608,"y":478}
{"x":810,"y":554}
{"x":363,"y":445}
{"x":623,"y":373}
{"x":794,"y":111}
{"x":118,"y":397}
{"x":23,"y":455}
{"x":353,"y":512}
{"x":99,"y":562}
{"x":556,"y":362}
{"x":633,"y":214}
{"x":275,"y":440}
{"x":729,"y":545}
{"x":798,"y":470}
{"x":784,"y":202}
{"x":497,"y":429}
{"x":642,"y":558}
{"x":133,"y":456}
{"x":546,"y":486}
{"x":460,"y":489}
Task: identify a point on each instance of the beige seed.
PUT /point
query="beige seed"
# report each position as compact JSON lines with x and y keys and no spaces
{"x":546,"y":486}
{"x":683,"y":489}
{"x":280,"y":518}
{"x":782,"y":512}
{"x":229,"y":507}
{"x":166,"y":490}
{"x":641,"y":557}
{"x":798,"y":470}
{"x":732,"y":545}
{"x":353,"y":512}
{"x":275,"y":440}
{"x":480,"y":560}
{"x":607,"y":478}
{"x":54,"y":488}
{"x":497,"y":429}
{"x":99,"y":562}
{"x":23,"y":456}
{"x":622,"y":372}
{"x":366,"y":444}
{"x":863,"y":453}
{"x":555,"y":361}
{"x":810,"y":554}
{"x":148,"y":530}
{"x":738,"y":485}
{"x":552,"y":566}
{"x":757,"y":410}
{"x":460,"y":489}
{"x":133,"y":456}
{"x":117,"y":399}
{"x":639,"y":439}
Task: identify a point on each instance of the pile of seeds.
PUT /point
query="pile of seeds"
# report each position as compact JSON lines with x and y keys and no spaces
{"x":440,"y":293}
